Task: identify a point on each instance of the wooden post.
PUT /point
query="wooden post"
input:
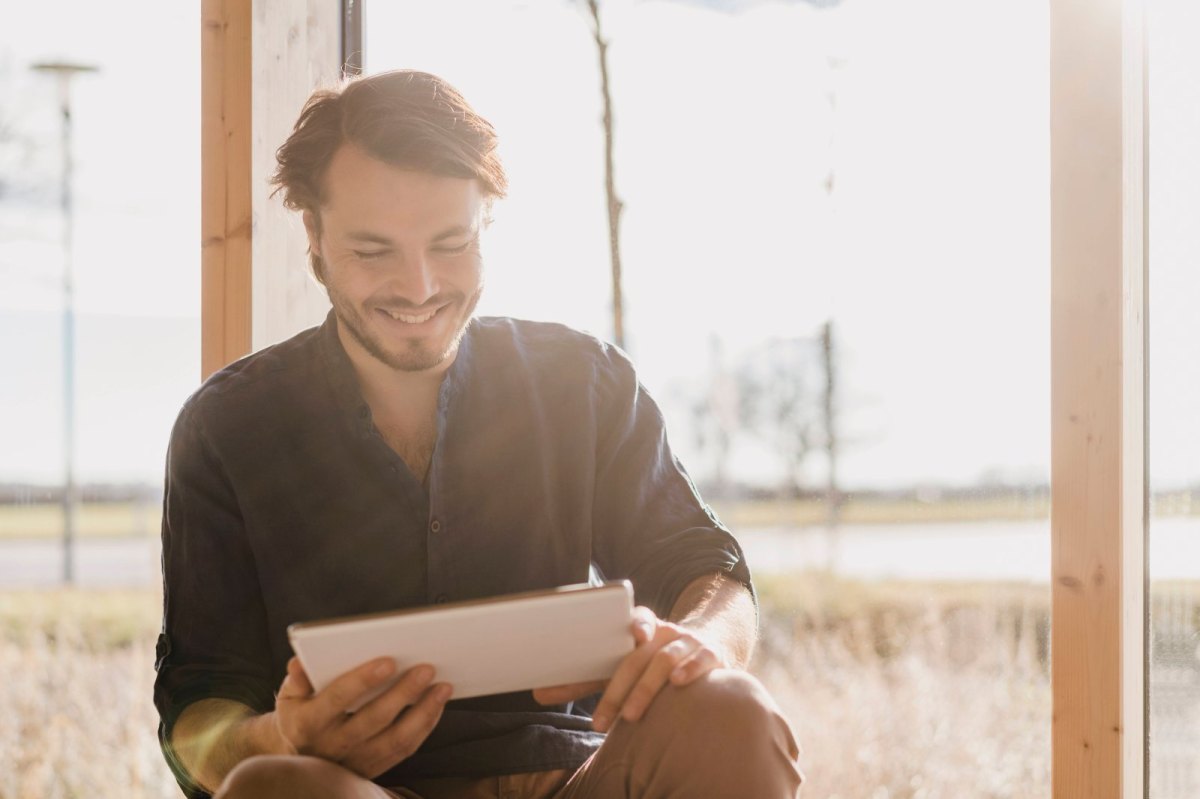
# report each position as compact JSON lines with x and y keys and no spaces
{"x":225,"y":182}
{"x":1097,"y":123}
{"x":260,"y":60}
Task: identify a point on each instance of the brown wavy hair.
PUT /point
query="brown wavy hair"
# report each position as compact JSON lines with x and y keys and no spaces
{"x":406,"y":118}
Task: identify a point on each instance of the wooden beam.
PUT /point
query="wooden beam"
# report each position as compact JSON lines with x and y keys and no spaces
{"x":1097,"y":120}
{"x":226,"y":205}
{"x":260,"y":61}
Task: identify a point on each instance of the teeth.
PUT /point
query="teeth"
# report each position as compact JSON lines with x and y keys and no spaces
{"x":412,"y":320}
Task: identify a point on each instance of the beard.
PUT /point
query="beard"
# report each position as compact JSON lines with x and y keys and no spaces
{"x":417,"y":354}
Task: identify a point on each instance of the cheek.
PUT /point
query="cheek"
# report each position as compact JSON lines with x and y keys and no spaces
{"x":469,"y":273}
{"x":349,"y":284}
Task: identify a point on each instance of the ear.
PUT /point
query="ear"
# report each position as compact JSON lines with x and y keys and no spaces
{"x":312,"y":227}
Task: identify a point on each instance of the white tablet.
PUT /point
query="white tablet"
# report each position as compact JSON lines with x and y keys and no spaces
{"x":576,"y":633}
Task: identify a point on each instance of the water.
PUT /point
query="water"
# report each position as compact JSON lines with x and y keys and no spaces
{"x":973,"y":551}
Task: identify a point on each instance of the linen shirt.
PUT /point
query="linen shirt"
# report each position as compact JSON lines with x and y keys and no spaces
{"x":284,"y":504}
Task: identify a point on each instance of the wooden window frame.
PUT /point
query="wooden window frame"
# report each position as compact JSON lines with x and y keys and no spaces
{"x":1098,"y":125}
{"x":260,"y":61}
{"x":251,"y":93}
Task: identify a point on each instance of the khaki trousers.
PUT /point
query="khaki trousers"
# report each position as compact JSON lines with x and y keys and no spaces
{"x":722,"y":737}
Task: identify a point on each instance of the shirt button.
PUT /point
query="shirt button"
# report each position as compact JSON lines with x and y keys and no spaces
{"x":435,"y":526}
{"x":442,"y":599}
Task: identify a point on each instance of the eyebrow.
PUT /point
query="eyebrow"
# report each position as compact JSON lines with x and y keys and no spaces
{"x":457,"y":230}
{"x":375,"y":238}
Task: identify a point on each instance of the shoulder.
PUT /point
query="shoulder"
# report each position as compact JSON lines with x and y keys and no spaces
{"x":252,"y":382}
{"x":546,"y":345}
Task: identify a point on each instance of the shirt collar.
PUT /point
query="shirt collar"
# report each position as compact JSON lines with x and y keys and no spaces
{"x":340,"y":371}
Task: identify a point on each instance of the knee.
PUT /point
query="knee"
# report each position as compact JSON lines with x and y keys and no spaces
{"x":724,"y":726}
{"x":730,"y":700}
{"x":285,"y":776}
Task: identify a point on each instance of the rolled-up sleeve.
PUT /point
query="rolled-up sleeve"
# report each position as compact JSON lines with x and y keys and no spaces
{"x":214,"y":641}
{"x":650,"y":524}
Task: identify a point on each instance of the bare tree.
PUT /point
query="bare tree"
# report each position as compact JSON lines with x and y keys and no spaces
{"x":614,"y":203}
{"x":779,"y":402}
{"x":713,"y":408}
{"x":833,"y":495}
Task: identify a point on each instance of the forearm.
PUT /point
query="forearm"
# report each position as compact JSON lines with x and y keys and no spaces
{"x":214,"y":735}
{"x":723,"y":611}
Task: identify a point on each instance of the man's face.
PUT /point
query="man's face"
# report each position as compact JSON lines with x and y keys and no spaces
{"x":401,"y":258}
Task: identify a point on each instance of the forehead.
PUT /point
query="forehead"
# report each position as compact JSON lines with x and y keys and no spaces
{"x":367,"y":192}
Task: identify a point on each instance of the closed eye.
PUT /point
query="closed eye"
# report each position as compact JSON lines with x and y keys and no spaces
{"x":367,"y":255}
{"x":458,"y":249}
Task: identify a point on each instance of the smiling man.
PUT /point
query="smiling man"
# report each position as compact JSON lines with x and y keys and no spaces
{"x":407,"y":453}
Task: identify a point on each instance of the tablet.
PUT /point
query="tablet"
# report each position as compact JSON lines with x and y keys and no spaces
{"x":576,"y":633}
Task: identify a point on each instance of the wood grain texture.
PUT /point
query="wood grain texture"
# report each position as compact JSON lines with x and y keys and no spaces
{"x":260,"y":60}
{"x":226,"y":206}
{"x":1097,"y":397}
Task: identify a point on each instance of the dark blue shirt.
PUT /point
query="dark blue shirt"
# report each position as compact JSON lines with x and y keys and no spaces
{"x":284,"y":504}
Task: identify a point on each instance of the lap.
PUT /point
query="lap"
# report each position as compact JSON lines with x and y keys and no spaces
{"x":296,"y":777}
{"x":700,"y":720}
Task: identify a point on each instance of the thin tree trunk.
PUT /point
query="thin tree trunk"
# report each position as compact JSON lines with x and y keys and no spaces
{"x":833,"y":496}
{"x":614,"y":203}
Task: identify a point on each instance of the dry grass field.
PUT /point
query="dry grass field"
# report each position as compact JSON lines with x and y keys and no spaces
{"x":95,"y":520}
{"x":121,"y":519}
{"x":901,"y":691}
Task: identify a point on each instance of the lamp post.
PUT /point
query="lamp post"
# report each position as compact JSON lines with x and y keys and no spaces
{"x":64,"y":72}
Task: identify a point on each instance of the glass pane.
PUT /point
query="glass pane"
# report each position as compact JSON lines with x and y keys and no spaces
{"x":76,"y":716}
{"x":1174,"y":377}
{"x":877,"y":167}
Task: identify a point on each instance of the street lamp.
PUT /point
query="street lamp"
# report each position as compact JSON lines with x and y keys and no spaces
{"x":64,"y":72}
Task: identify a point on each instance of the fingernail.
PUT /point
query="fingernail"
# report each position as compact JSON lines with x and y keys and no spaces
{"x":442,"y":692}
{"x":600,"y":722}
{"x":385,"y":668}
{"x":423,"y":674}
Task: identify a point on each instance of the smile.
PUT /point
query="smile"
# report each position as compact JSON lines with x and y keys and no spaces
{"x":411,"y":319}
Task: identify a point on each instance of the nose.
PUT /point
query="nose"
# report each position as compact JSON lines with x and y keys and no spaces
{"x":414,"y":279}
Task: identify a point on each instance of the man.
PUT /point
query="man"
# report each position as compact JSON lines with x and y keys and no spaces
{"x":407,"y":454}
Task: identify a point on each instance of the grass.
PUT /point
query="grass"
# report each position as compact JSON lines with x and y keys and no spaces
{"x":76,"y":718}
{"x":895,"y":690}
{"x":800,"y":513}
{"x":94,"y":520}
{"x":911,"y":690}
{"x":126,"y":519}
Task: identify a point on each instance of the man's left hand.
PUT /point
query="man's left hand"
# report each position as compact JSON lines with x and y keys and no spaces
{"x":664,"y":652}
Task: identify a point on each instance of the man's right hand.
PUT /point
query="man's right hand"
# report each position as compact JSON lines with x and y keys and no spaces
{"x":374,"y":738}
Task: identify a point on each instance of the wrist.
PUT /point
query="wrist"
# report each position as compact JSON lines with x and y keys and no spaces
{"x":266,"y":735}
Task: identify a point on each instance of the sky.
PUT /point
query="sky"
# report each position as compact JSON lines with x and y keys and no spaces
{"x":930,"y":256}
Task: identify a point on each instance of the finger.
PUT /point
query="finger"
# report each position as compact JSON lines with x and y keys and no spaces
{"x":561,"y":694}
{"x":701,"y":662}
{"x":644,"y":624}
{"x":342,"y":694}
{"x":627,"y":675}
{"x":400,"y":740}
{"x":655,"y":677}
{"x":296,"y":684}
{"x":378,"y":714}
